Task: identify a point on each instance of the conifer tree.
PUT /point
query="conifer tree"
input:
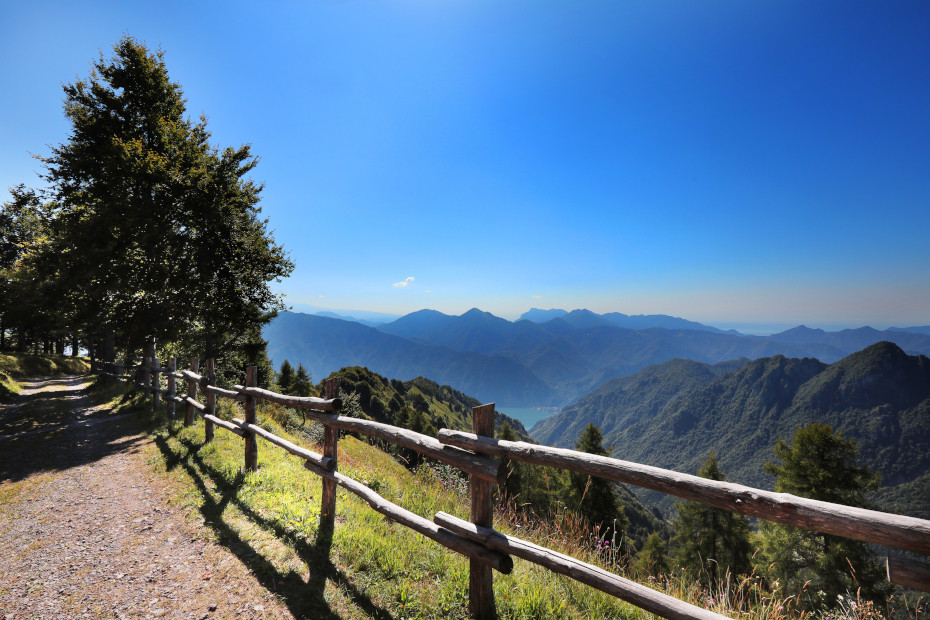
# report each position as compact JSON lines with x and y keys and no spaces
{"x":148,"y":212}
{"x":653,"y":559}
{"x":594,"y":497}
{"x":301,"y":381}
{"x":821,"y":464}
{"x":286,"y":377}
{"x":514,"y":483}
{"x":709,"y":541}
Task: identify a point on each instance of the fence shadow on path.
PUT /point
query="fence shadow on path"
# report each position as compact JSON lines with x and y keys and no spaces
{"x":58,"y":447}
{"x":303,"y":598}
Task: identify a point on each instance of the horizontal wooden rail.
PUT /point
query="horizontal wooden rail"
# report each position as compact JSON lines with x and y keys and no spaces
{"x":224,"y":424}
{"x":309,"y":455}
{"x":499,"y":561}
{"x":483,"y":467}
{"x":630,"y":591}
{"x":298,"y":402}
{"x":187,"y":400}
{"x":191,"y":376}
{"x":174,"y":374}
{"x":908,"y":573}
{"x":231,"y":394}
{"x":899,"y":532}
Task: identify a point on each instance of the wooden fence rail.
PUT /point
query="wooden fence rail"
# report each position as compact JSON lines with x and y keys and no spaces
{"x":473,"y":453}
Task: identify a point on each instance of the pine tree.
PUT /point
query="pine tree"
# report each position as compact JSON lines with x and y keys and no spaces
{"x":593,"y":497}
{"x":301,"y":381}
{"x":148,"y":212}
{"x":821,"y":464}
{"x":653,"y":559}
{"x":286,"y":377}
{"x":708,"y":541}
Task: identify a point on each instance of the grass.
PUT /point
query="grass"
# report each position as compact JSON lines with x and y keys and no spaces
{"x":15,"y":366}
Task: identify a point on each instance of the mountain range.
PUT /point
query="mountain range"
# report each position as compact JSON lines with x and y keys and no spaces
{"x":540,"y":362}
{"x":673,"y":414}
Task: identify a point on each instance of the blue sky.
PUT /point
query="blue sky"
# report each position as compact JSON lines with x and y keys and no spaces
{"x":730,"y":162}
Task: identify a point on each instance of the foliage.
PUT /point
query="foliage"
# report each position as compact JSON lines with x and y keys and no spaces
{"x":594,"y":497}
{"x":653,"y":558}
{"x":146,"y":213}
{"x":285,"y":378}
{"x":709,"y":542}
{"x":819,"y":568}
{"x":302,"y":384}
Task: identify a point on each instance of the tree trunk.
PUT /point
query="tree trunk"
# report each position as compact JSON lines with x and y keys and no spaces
{"x":74,"y":345}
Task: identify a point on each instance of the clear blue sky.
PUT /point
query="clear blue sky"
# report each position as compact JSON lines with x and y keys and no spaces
{"x":727,"y":161}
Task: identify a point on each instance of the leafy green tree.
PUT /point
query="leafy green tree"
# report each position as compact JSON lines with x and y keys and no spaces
{"x":286,"y":377}
{"x":708,"y":541}
{"x":149,"y":213}
{"x":593,"y":497}
{"x":653,"y":558}
{"x":302,"y":383}
{"x":821,"y":464}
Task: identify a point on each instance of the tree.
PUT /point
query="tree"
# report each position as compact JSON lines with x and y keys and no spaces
{"x":286,"y":377}
{"x":594,"y":497}
{"x":708,"y":541}
{"x":301,"y":381}
{"x":652,"y":559}
{"x":149,"y":212}
{"x":821,"y":464}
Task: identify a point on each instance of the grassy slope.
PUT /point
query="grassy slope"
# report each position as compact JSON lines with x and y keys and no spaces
{"x":15,"y":366}
{"x":378,"y":568}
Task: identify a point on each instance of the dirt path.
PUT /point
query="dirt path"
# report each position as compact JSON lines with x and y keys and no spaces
{"x":87,"y":528}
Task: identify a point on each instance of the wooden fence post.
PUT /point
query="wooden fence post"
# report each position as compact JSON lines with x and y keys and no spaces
{"x":480,"y":579}
{"x":192,"y":392}
{"x":210,"y":374}
{"x":156,"y":384}
{"x":144,"y":373}
{"x":251,"y":444}
{"x":331,"y":450}
{"x":172,"y":368}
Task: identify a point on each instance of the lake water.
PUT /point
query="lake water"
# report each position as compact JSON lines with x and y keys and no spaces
{"x":529,"y":415}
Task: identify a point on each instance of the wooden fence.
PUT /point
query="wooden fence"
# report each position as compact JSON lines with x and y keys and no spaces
{"x":474,"y":454}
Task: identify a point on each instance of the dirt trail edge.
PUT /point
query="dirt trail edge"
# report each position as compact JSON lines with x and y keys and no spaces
{"x":87,"y":528}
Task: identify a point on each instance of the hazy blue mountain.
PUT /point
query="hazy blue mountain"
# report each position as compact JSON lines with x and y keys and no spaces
{"x":541,"y":316}
{"x":570,"y":355}
{"x":324,"y":345}
{"x":880,"y":396}
{"x":925,"y":329}
{"x":475,"y":331}
{"x":581,"y":319}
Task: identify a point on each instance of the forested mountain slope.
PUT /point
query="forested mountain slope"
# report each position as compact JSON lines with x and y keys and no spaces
{"x":880,"y":396}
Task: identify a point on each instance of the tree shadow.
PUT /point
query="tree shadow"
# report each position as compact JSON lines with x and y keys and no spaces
{"x":61,"y":447}
{"x":304,"y":599}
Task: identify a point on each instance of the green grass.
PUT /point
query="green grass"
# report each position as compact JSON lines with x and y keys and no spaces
{"x":373,"y":567}
{"x":15,"y":366}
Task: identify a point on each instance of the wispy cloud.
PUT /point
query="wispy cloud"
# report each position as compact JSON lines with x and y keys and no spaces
{"x":405,"y":283}
{"x":537,"y":296}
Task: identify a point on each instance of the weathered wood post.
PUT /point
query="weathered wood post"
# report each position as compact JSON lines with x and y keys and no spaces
{"x":145,"y":372}
{"x":156,"y":385}
{"x":192,"y":392}
{"x":251,"y":444}
{"x":480,"y":579}
{"x":172,"y":368}
{"x":210,"y":374}
{"x":331,"y":450}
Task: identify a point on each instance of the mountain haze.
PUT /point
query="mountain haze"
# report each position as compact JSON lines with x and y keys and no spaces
{"x":525,"y":363}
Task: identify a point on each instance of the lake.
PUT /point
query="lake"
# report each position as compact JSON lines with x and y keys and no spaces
{"x":529,"y":415}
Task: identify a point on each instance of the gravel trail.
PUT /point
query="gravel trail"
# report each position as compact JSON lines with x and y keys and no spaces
{"x":87,"y":528}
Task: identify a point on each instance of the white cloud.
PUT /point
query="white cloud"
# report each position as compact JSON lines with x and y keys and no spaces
{"x":405,"y":283}
{"x":537,"y":296}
